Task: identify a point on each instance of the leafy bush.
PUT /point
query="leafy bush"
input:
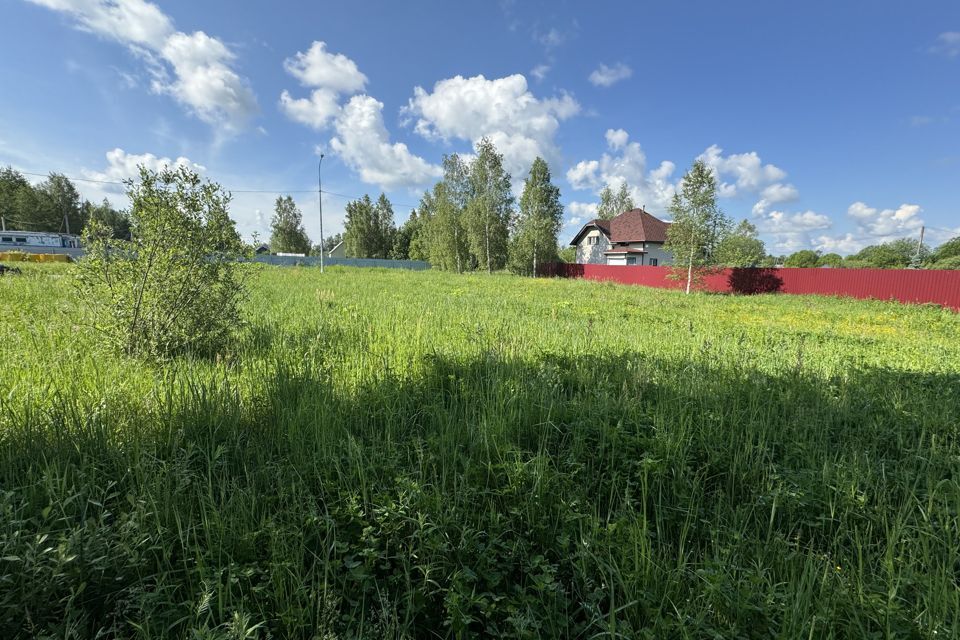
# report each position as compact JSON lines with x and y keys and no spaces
{"x":175,"y":286}
{"x":947,"y":263}
{"x":804,"y":259}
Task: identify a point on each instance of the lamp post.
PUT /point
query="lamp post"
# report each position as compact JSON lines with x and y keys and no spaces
{"x":320,"y":198}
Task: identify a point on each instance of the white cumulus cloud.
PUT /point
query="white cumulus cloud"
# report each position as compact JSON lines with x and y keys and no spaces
{"x":122,"y":165}
{"x":316,"y":112}
{"x":843,"y":244}
{"x":617,"y":138}
{"x":360,"y":137}
{"x":203,"y":79}
{"x":330,"y":75}
{"x":580,"y":213}
{"x":626,"y":162}
{"x":886,"y":224}
{"x":781,"y":222}
{"x":746,"y":173}
{"x":364,"y":144}
{"x":521,"y":125}
{"x":604,"y":76}
{"x":317,"y":67}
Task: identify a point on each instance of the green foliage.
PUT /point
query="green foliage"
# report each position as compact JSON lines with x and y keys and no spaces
{"x":613,"y":204}
{"x":53,"y":205}
{"x":949,"y":249}
{"x":329,"y":243}
{"x":385,"y":227}
{"x":368,"y":228}
{"x":698,"y":226}
{"x":896,"y":254}
{"x":440,"y":236}
{"x":567,"y":254}
{"x":287,"y":234}
{"x":117,"y":221}
{"x":741,"y":247}
{"x":411,"y":455}
{"x":175,"y":286}
{"x":447,"y":240}
{"x":946,"y":256}
{"x":534,"y":239}
{"x":952,"y":262}
{"x":488,"y":213}
{"x":805,"y":258}
{"x":834,"y":260}
{"x":404,"y":235}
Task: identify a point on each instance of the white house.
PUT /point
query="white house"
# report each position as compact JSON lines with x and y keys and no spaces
{"x":34,"y":240}
{"x":632,"y":238}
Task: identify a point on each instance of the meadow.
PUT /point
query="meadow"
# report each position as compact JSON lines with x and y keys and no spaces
{"x":390,"y":454}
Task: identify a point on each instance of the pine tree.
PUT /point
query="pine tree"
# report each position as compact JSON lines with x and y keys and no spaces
{"x":541,"y":215}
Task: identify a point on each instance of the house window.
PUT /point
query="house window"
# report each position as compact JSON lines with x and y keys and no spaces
{"x":593,"y":239}
{"x":653,"y":262}
{"x":631,"y":260}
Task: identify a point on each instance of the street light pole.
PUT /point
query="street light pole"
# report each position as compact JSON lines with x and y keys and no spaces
{"x":320,"y":198}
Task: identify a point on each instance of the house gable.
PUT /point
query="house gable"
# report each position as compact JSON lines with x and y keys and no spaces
{"x":634,"y":233}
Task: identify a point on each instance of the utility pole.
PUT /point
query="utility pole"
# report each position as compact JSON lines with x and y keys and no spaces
{"x":320,"y":198}
{"x":916,"y":259}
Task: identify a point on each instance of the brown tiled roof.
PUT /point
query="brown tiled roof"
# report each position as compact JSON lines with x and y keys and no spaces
{"x":635,"y":225}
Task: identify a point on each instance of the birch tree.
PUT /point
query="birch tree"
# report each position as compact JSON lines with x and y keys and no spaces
{"x":538,"y":223}
{"x":613,"y":204}
{"x":698,"y":225}
{"x":490,"y":208}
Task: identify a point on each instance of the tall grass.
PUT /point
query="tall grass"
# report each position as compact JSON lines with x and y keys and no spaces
{"x":407,"y":455}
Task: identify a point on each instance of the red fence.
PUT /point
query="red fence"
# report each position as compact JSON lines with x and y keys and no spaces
{"x":914,"y":285}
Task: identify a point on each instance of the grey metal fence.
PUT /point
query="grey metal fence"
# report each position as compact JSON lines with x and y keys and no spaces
{"x":289,"y":261}
{"x":282,"y":261}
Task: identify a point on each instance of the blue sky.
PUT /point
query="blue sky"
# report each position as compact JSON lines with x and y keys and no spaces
{"x":830,"y":125}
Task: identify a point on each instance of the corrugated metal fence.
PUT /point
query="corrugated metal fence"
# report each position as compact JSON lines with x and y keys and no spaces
{"x":905,"y":285}
{"x":285,"y":261}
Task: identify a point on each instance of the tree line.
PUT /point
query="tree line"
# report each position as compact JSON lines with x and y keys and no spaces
{"x":471,"y":221}
{"x":903,"y":253}
{"x":468,"y":221}
{"x":54,"y":206}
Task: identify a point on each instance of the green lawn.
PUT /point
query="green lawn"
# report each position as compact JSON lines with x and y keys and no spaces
{"x":419,"y":454}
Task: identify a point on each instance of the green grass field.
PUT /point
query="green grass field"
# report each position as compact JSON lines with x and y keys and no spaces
{"x":393,"y":454}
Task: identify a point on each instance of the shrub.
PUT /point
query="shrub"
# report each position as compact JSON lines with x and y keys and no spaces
{"x":947,"y":263}
{"x":804,"y":259}
{"x":175,"y":286}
